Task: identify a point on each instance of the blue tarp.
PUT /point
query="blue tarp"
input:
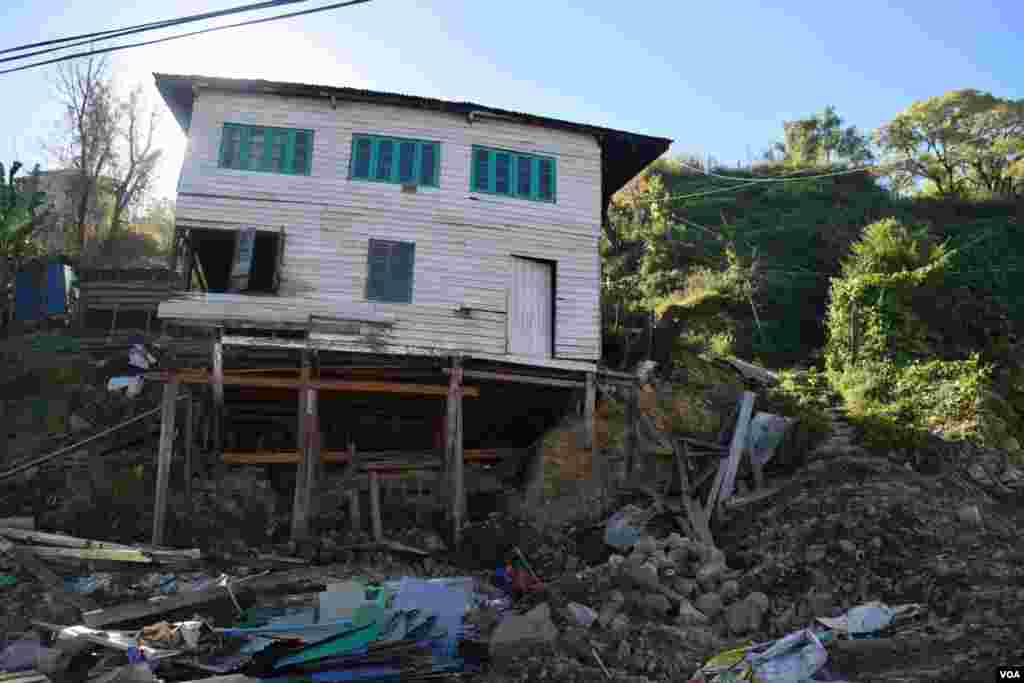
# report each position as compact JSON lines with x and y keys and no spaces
{"x":40,"y":290}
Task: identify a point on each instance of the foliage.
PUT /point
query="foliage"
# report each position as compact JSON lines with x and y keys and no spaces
{"x":821,"y":139}
{"x":965,"y":143}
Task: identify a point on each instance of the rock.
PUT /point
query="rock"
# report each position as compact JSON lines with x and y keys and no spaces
{"x":581,"y":614}
{"x":785,"y":621}
{"x":615,"y":561}
{"x":641,"y":575}
{"x":709,"y":575}
{"x":655,"y":604}
{"x":690,"y":615}
{"x":746,"y":615}
{"x":710,"y":604}
{"x":646,"y":545}
{"x":729,"y":591}
{"x":660,"y":560}
{"x":819,"y":604}
{"x":815,"y":554}
{"x":848,"y":547}
{"x":685,"y":587}
{"x":520,"y":634}
{"x":572,"y":563}
{"x":619,"y":623}
{"x":675,"y":541}
{"x":969,"y":514}
{"x":679,"y":557}
{"x":608,"y":614}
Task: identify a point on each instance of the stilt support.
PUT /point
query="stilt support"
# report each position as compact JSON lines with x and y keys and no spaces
{"x":166,"y":452}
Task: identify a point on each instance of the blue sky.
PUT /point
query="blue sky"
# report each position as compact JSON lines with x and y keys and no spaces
{"x":717,"y":77}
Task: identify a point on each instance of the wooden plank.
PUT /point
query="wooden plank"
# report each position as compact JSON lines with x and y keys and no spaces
{"x":199,"y":377}
{"x":26,"y":523}
{"x":698,"y":520}
{"x":90,"y":554}
{"x":632,"y":426}
{"x":312,"y":455}
{"x":738,"y":445}
{"x":164,"y":457}
{"x":375,"y":518}
{"x":453,"y":447}
{"x":337,"y":457}
{"x":589,"y":405}
{"x":299,"y":509}
{"x":353,"y":510}
{"x":218,"y":395}
{"x":31,"y":564}
{"x":520,"y":379}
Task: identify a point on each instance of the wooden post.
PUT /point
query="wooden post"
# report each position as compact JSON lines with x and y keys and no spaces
{"x":218,"y":397}
{"x":632,"y":420}
{"x":299,"y":509}
{"x":164,"y":463}
{"x":189,"y":439}
{"x":378,"y":526}
{"x":722,"y":487}
{"x":353,"y":509}
{"x":589,"y":404}
{"x":453,"y":447}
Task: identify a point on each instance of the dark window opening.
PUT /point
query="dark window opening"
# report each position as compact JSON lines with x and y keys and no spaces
{"x":390,"y":268}
{"x":214,"y":255}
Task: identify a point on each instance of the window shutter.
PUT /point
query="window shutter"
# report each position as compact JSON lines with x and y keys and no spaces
{"x":403,"y":257}
{"x":406,"y":157}
{"x":428,"y":162}
{"x":546,"y":187}
{"x":524,"y":169}
{"x":257,"y":143}
{"x":385,"y":159}
{"x":300,"y":158}
{"x":480,"y":168}
{"x":361,"y":158}
{"x":377,"y":270}
{"x":502,"y":173}
{"x":390,"y":271}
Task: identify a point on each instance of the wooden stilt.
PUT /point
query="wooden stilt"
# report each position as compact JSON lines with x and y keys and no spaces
{"x":378,"y":525}
{"x":589,"y":403}
{"x":722,"y":485}
{"x":166,"y":452}
{"x":187,"y":449}
{"x":353,"y":510}
{"x":632,"y":419}
{"x":218,"y":397}
{"x":299,"y":506}
{"x":453,"y":449}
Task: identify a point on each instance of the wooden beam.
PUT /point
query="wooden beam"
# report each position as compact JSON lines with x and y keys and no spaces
{"x":520,"y":379}
{"x":698,"y":520}
{"x":338,"y":457}
{"x":453,"y":447}
{"x":378,"y":525}
{"x":299,"y":510}
{"x":632,"y":425}
{"x":190,"y":427}
{"x":231,"y":379}
{"x":353,"y":510}
{"x":312,"y":454}
{"x":164,"y":456}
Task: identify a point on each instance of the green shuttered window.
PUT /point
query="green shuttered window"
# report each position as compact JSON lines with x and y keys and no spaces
{"x":390,"y":271}
{"x":261,"y":148}
{"x":511,"y":174}
{"x":395,"y":160}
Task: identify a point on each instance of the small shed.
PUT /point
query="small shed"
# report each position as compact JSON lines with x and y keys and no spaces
{"x":42,"y":288}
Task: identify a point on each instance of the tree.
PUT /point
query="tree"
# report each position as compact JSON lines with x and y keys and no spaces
{"x":161,"y":213}
{"x":133,"y":165}
{"x":822,"y":139}
{"x":22,"y":212}
{"x":964,"y":144}
{"x":90,"y":116}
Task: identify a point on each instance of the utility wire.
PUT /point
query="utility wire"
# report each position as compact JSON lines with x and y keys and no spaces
{"x":125,"y":30}
{"x":250,"y":22}
{"x":849,"y":171}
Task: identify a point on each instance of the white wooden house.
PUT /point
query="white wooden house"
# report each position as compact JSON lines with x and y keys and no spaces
{"x":338,"y":221}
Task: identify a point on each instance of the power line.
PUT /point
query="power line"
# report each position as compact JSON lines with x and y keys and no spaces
{"x":117,"y":33}
{"x":125,"y":30}
{"x":778,"y":180}
{"x":185,"y":35}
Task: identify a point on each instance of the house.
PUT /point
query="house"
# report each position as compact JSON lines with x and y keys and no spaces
{"x":359,"y":225}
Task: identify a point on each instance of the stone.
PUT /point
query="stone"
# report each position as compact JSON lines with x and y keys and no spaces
{"x":581,"y":614}
{"x":660,"y":560}
{"x":619,"y":623}
{"x":520,"y":634}
{"x":655,"y":604}
{"x":646,"y":545}
{"x":709,"y":575}
{"x":641,"y":575}
{"x":675,"y":541}
{"x":615,"y":561}
{"x":690,"y":615}
{"x":608,"y":613}
{"x":685,"y":587}
{"x":819,"y":604}
{"x":572,"y":563}
{"x":785,"y":621}
{"x":747,"y":615}
{"x":729,"y":591}
{"x":848,"y":547}
{"x":815,"y":554}
{"x":679,"y":557}
{"x":969,"y":514}
{"x":710,"y":604}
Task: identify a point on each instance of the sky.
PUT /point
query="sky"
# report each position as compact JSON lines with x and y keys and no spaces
{"x":719,"y":78}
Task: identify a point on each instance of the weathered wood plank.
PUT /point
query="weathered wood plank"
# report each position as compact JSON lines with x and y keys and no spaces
{"x":453,"y":447}
{"x":299,"y":509}
{"x":589,"y":406}
{"x":164,"y":456}
{"x":738,"y":445}
{"x":521,"y":379}
{"x":248,"y":380}
{"x":375,"y":518}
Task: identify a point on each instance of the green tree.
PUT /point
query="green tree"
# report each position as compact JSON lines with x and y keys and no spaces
{"x":22,"y":212}
{"x":822,"y":138}
{"x":965,"y":144}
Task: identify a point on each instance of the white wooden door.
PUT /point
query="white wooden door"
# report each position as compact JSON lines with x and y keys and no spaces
{"x":530,"y":324}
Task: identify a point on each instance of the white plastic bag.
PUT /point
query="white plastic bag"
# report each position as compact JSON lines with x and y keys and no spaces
{"x":792,"y":659}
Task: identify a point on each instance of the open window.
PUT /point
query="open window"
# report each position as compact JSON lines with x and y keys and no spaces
{"x":242,"y":261}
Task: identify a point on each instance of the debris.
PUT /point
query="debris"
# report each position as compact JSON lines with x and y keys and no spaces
{"x":27,"y":523}
{"x":131,"y":385}
{"x":583,"y":615}
{"x":625,"y":527}
{"x":870,"y":618}
{"x":970,"y":514}
{"x":520,"y":634}
{"x":86,"y":585}
{"x":791,"y":659}
{"x":607,"y":673}
{"x":139,"y":357}
{"x":32,"y":565}
{"x":7,"y":580}
{"x":21,"y":655}
{"x":92,"y":554}
{"x":746,"y":616}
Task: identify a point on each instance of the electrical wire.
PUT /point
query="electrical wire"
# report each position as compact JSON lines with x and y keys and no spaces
{"x":250,"y":22}
{"x":125,"y":30}
{"x":848,"y":171}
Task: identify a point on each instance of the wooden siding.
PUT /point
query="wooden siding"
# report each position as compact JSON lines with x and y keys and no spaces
{"x":465,"y":241}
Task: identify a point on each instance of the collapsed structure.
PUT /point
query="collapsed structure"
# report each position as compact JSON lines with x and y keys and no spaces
{"x":364,"y":261}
